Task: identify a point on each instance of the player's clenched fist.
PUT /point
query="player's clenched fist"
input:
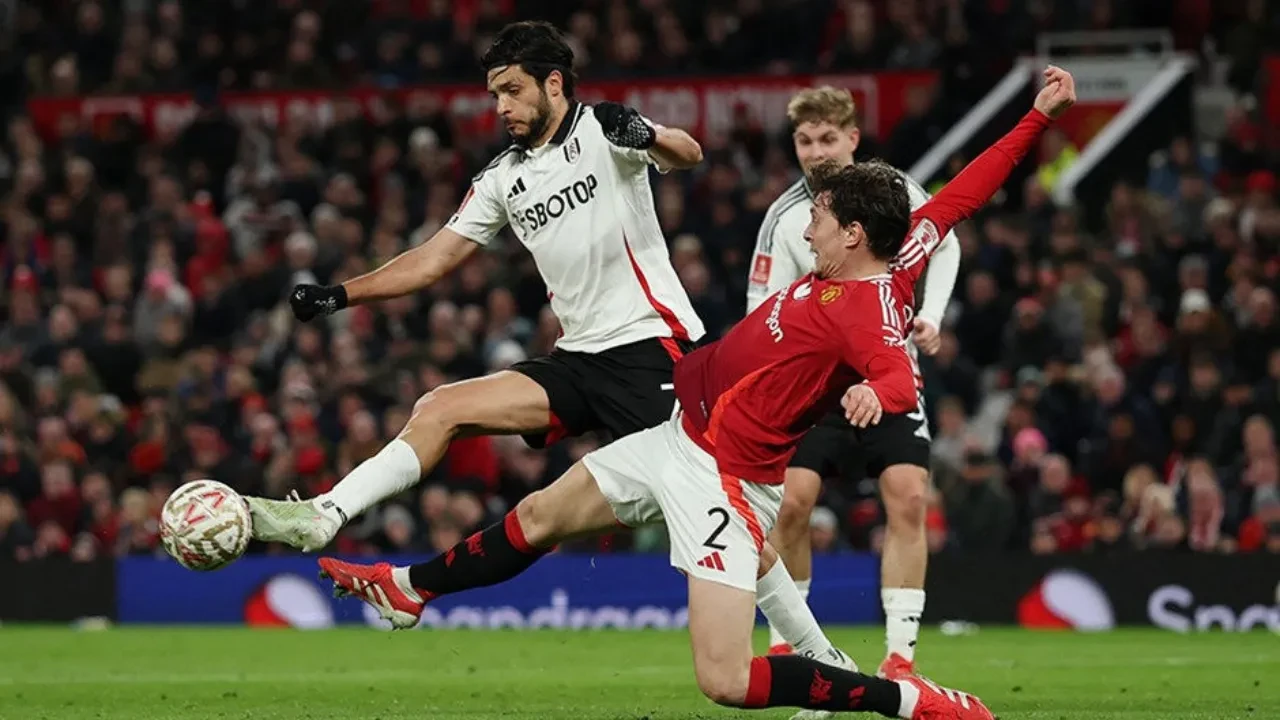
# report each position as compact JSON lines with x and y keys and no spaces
{"x":309,"y":301}
{"x":862,"y":406}
{"x":1058,"y":93}
{"x":625,"y":127}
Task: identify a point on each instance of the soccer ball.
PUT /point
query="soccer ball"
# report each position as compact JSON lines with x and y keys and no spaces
{"x":205,"y":525}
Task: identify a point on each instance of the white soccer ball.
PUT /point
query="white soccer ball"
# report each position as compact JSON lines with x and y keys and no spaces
{"x":205,"y":525}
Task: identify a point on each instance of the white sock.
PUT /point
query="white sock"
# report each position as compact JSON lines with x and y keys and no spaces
{"x":775,"y":637}
{"x":902,"y":610}
{"x":910,"y":696}
{"x":393,"y":470}
{"x":401,"y":576}
{"x":803,"y":587}
{"x":785,"y":609}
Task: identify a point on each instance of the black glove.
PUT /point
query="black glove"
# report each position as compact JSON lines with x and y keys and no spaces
{"x":308,"y":301}
{"x":624,"y":127}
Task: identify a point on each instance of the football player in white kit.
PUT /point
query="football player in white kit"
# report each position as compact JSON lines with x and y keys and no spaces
{"x":896,"y":450}
{"x":574,"y":188}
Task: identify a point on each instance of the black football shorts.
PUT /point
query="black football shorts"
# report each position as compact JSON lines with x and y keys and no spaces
{"x":834,"y":448}
{"x":618,"y":391}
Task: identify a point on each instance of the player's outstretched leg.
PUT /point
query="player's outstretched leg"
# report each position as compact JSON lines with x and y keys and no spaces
{"x":791,"y":538}
{"x":571,"y":506}
{"x":502,"y":403}
{"x":720,"y":620}
{"x":902,"y":570}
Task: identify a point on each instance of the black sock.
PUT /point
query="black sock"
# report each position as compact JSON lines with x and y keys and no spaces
{"x":795,"y":681}
{"x":493,"y":555}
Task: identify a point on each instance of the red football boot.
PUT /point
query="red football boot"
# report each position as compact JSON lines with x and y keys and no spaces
{"x":939,"y":703}
{"x":375,"y":584}
{"x":781,"y":649}
{"x":896,"y":667}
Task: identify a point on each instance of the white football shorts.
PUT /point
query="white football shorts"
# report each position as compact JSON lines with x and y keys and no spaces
{"x":717,"y":523}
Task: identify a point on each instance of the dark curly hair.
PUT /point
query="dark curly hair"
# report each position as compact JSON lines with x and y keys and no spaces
{"x":537,"y":47}
{"x":871,"y":193}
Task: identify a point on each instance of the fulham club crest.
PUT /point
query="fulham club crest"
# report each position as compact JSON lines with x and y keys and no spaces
{"x":572,"y":151}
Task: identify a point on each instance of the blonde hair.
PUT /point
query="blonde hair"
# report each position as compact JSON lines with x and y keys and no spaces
{"x":1138,"y":479}
{"x":823,"y":104}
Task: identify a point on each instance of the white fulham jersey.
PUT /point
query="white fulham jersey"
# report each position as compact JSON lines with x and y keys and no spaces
{"x":584,"y":209}
{"x":782,"y":254}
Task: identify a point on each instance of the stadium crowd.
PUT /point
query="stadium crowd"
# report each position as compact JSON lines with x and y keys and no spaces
{"x":1097,"y":388}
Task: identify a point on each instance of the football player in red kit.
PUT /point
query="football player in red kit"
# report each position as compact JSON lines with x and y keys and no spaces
{"x":714,"y":472}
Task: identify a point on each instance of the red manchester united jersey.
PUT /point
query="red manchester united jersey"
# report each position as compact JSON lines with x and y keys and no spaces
{"x":749,"y":397}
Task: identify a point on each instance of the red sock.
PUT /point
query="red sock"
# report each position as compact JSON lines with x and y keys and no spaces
{"x":795,"y":681}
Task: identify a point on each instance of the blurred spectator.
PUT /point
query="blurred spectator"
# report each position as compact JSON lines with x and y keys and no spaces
{"x":58,"y":504}
{"x":1156,"y":524}
{"x":920,"y":128}
{"x":1031,"y":340}
{"x":137,"y":530}
{"x":824,"y":531}
{"x":949,"y":437}
{"x":1059,"y":509}
{"x":1204,"y":508}
{"x":980,"y":512}
{"x":16,"y":536}
{"x":1057,"y":154}
{"x":981,"y":323}
{"x":1182,"y":159}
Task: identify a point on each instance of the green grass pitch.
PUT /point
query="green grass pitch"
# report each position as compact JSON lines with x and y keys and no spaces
{"x":217,"y":674}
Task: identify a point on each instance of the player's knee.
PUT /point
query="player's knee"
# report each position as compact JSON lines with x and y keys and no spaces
{"x":793,"y":516}
{"x":538,"y":519}
{"x":440,"y":407}
{"x":904,"y":489}
{"x":724,"y":683}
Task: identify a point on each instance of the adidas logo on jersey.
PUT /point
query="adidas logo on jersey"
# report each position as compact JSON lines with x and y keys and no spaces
{"x":516,"y":189}
{"x":712,"y":562}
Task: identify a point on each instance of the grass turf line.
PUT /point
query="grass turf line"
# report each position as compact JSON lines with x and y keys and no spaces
{"x":220,"y":674}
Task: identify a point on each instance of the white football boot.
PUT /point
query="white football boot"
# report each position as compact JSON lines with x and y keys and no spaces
{"x":301,"y":524}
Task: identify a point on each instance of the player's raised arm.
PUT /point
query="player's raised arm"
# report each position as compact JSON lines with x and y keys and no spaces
{"x":980,"y":179}
{"x":479,"y":218}
{"x":636,"y":137}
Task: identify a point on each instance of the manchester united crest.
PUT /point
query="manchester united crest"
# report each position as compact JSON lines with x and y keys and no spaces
{"x":830,"y":294}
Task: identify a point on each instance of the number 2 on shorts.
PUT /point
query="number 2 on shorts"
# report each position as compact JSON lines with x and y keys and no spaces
{"x":724,"y":523}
